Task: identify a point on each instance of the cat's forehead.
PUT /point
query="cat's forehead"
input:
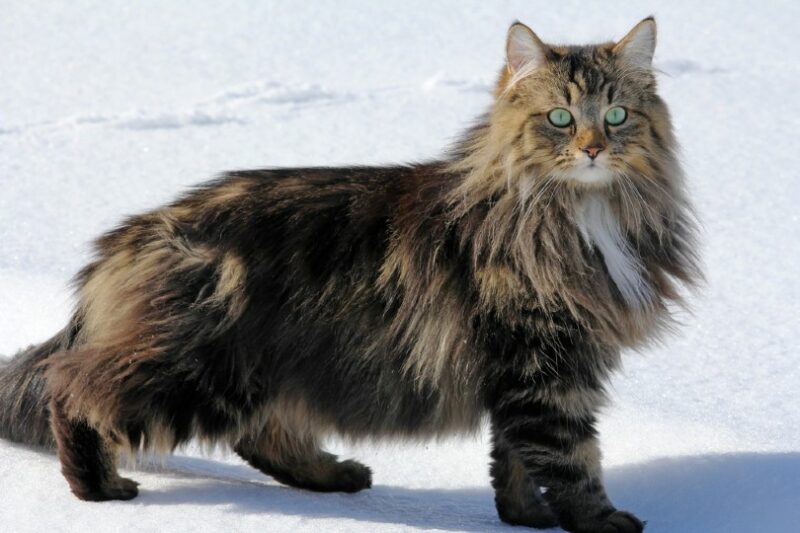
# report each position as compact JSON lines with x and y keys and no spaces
{"x":582,"y":71}
{"x":586,"y":77}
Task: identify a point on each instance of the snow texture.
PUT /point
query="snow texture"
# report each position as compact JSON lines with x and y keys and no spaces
{"x":108,"y":108}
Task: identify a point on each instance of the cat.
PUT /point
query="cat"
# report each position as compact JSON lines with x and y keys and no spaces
{"x":270,"y":308}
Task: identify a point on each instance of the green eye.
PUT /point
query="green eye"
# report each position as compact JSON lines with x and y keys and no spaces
{"x":616,"y":116}
{"x":560,"y":117}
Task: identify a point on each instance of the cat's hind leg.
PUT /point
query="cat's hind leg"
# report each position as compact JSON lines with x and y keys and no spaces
{"x":294,"y":458}
{"x":88,"y":460}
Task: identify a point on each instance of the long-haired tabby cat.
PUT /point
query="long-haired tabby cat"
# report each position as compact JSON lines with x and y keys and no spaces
{"x":270,"y":308}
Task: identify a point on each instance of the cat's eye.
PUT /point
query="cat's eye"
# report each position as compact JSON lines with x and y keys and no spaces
{"x":616,"y":116}
{"x":560,"y":117}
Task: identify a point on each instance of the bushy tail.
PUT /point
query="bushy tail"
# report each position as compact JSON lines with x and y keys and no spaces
{"x":24,"y":415}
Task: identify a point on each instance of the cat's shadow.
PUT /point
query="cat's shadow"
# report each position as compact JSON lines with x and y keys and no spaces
{"x":731,"y":493}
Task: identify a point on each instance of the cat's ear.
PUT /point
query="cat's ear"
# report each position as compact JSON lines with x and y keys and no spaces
{"x":524,"y":49}
{"x":637,"y":48}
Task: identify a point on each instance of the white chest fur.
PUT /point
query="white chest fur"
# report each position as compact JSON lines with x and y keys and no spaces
{"x":600,"y":228}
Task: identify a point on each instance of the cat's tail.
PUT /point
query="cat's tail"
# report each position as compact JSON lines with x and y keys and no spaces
{"x":24,"y":413}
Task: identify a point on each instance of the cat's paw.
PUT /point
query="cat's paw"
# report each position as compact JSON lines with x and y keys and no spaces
{"x":619,"y":522}
{"x":538,"y":515}
{"x":352,"y":476}
{"x":614,"y":522}
{"x":530,"y":511}
{"x":123,"y":489}
{"x":118,"y":488}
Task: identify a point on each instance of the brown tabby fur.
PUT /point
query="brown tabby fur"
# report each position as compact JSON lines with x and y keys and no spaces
{"x":270,"y":308}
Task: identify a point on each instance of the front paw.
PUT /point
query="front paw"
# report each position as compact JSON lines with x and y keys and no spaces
{"x":539,"y":518}
{"x":616,"y":522}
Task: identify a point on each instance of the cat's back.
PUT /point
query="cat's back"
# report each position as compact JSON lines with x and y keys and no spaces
{"x":290,"y":205}
{"x":276,"y":237}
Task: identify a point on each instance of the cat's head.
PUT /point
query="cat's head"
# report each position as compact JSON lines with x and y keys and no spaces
{"x":583,"y":114}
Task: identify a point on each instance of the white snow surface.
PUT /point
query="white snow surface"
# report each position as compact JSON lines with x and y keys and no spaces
{"x":111,"y":107}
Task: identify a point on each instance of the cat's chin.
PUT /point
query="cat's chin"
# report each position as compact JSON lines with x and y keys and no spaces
{"x":591,"y":176}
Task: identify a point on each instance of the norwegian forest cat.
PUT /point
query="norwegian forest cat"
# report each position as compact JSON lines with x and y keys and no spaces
{"x":269,"y":308}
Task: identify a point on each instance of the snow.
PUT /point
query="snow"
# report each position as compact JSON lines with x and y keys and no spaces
{"x":108,"y":108}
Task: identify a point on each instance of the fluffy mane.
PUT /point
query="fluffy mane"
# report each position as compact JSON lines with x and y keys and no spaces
{"x":614,"y":254}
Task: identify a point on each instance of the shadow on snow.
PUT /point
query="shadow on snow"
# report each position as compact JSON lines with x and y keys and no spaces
{"x":731,"y":493}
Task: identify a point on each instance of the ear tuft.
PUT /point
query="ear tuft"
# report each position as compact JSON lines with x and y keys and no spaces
{"x":639,"y":45}
{"x":524,"y":49}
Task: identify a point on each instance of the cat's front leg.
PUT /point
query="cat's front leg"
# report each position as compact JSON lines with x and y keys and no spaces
{"x":518,"y":499}
{"x":552,"y":431}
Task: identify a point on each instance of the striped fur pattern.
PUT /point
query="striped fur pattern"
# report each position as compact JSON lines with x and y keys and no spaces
{"x":270,"y":308}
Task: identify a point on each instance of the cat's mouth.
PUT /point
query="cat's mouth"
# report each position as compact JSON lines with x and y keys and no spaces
{"x":590,"y":173}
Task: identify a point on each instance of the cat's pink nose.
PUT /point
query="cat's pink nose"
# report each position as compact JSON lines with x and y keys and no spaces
{"x":592,"y":151}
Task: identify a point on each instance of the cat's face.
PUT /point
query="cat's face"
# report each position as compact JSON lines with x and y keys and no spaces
{"x":591,"y":114}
